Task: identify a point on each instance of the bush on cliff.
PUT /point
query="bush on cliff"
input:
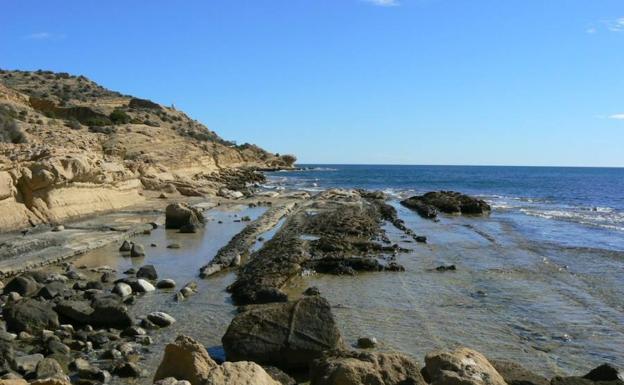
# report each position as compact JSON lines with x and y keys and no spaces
{"x":119,"y":117}
{"x":9,"y":131}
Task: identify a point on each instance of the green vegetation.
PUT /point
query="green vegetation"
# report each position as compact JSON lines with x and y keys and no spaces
{"x":9,"y":131}
{"x":119,"y":117}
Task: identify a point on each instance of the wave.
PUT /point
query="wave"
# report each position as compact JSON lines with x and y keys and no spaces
{"x":606,"y":218}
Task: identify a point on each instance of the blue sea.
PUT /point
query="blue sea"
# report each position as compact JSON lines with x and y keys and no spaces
{"x":574,"y":206}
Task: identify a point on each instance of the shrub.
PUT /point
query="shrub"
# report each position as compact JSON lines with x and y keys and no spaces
{"x":9,"y":131}
{"x":119,"y":117}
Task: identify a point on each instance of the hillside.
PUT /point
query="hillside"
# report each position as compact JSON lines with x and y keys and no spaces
{"x":69,"y":147}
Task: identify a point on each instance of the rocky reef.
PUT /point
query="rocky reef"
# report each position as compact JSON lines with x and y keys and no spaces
{"x":449,"y":202}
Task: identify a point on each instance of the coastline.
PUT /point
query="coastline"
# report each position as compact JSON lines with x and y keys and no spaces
{"x":213,"y":298}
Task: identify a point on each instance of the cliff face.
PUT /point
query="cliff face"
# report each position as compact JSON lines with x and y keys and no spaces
{"x":69,"y":147}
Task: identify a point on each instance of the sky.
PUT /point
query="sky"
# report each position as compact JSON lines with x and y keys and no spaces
{"x":472,"y":82}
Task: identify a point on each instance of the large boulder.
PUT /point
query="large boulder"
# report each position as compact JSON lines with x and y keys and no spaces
{"x":450,"y":202}
{"x":461,"y":366}
{"x":242,"y":372}
{"x":178,"y":215}
{"x":341,"y":367}
{"x":185,"y":359}
{"x":103,"y":312}
{"x":30,"y":316}
{"x":286,"y":335}
{"x":23,"y":285}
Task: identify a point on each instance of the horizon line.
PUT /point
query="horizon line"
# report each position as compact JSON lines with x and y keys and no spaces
{"x":450,"y":165}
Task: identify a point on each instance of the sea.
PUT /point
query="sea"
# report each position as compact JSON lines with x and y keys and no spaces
{"x":574,"y":206}
{"x":539,"y":281}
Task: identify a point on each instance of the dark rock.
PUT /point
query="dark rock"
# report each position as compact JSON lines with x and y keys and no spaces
{"x":23,"y":285}
{"x":95,"y":285}
{"x":129,"y":369}
{"x":366,"y":342}
{"x":52,"y":290}
{"x":173,"y":246}
{"x":605,"y":372}
{"x":30,"y":316}
{"x":125,"y":246}
{"x":178,"y":215}
{"x":56,"y":347}
{"x":147,"y":272}
{"x":313,"y":290}
{"x":443,"y":268}
{"x":48,"y":368}
{"x":111,"y":313}
{"x":161,"y":319}
{"x":449,"y":202}
{"x":514,"y":374}
{"x":107,"y":277}
{"x":166,"y":284}
{"x":137,"y":251}
{"x":287,"y":335}
{"x":189,"y":228}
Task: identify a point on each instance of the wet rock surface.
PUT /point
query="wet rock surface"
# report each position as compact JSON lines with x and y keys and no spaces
{"x":449,"y":202}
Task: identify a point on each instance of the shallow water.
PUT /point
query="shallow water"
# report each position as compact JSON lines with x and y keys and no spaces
{"x":553,"y":309}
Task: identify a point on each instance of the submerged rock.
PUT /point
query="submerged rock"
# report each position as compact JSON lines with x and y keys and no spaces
{"x":137,"y":251}
{"x":286,"y":335}
{"x":514,"y":374}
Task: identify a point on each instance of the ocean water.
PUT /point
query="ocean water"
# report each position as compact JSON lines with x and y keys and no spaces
{"x":581,"y":207}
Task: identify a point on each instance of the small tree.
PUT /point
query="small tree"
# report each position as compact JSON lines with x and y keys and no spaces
{"x":119,"y":117}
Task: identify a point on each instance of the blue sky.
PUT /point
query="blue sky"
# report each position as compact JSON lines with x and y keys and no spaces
{"x":517,"y":82}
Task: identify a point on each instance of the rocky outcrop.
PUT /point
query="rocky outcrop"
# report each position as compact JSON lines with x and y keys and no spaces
{"x":238,"y":247}
{"x":78,"y":149}
{"x":336,"y":232}
{"x":355,"y":368}
{"x":286,"y":335}
{"x":461,"y":366}
{"x":449,"y":202}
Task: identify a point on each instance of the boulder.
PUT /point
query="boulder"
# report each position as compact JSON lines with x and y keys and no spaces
{"x":23,"y":285}
{"x":122,"y":289}
{"x":161,"y":319}
{"x":28,"y":363}
{"x":178,"y":215}
{"x":605,"y":372}
{"x":110,"y":313}
{"x":514,"y":374}
{"x":74,"y":312}
{"x":366,"y":342}
{"x":185,"y":359}
{"x":461,"y":366}
{"x":137,"y":251}
{"x":147,"y":272}
{"x":30,"y":316}
{"x":142,"y":286}
{"x":341,"y":367}
{"x":52,"y":381}
{"x":48,"y":368}
{"x":125,"y":246}
{"x":166,"y":284}
{"x":286,"y":335}
{"x":242,"y":372}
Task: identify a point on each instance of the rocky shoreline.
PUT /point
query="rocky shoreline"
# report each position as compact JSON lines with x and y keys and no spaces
{"x":71,"y":324}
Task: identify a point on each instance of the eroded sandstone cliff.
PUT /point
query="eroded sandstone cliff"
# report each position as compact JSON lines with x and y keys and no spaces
{"x":69,"y":147}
